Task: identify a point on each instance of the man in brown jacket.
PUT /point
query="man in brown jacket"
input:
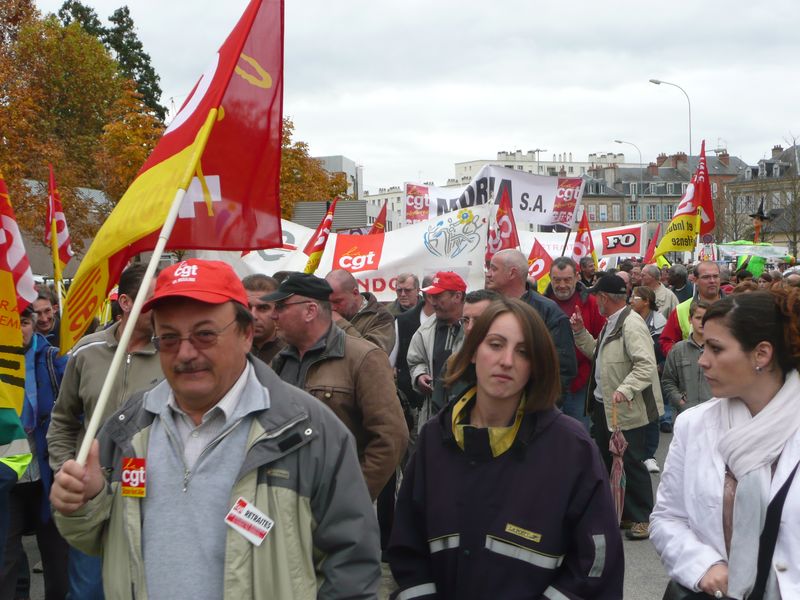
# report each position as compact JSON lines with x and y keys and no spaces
{"x":350,"y":375}
{"x":369,"y":319}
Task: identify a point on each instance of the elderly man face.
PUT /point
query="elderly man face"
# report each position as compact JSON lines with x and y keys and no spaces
{"x":636,"y":276}
{"x":564,"y":282}
{"x":344,"y":300}
{"x":648,"y":279}
{"x":499,"y":275}
{"x":202,"y":349}
{"x":407,"y":293}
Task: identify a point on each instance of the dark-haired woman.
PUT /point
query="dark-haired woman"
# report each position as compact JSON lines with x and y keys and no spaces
{"x":731,"y":456}
{"x":506,"y":497}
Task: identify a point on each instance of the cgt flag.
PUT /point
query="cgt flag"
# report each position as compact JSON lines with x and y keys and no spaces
{"x":13,"y":257}
{"x":583,"y":246}
{"x":691,"y":215}
{"x":379,"y":226}
{"x":503,"y":235}
{"x":57,"y":222}
{"x":316,"y":245}
{"x":223,"y":148}
{"x":539,"y":263}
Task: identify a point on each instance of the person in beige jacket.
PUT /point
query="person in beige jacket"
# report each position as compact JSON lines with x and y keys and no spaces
{"x":623,"y":374}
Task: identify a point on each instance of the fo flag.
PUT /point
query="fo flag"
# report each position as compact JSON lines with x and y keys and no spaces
{"x":694,"y":213}
{"x":539,"y":263}
{"x":379,"y":226}
{"x":503,"y":233}
{"x":316,"y":245}
{"x":223,"y":148}
{"x":56,"y":221}
{"x":584,"y":246}
{"x":13,"y":258}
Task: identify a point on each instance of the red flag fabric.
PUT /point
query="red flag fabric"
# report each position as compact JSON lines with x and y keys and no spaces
{"x":704,"y":199}
{"x":316,"y":244}
{"x":503,"y":234}
{"x":651,"y":247}
{"x":223,"y":148}
{"x":55,"y":212}
{"x":13,"y":257}
{"x":539,"y":263}
{"x":379,"y":226}
{"x":583,"y":246}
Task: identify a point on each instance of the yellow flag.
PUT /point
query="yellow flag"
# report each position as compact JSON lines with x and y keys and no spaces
{"x":12,"y":357}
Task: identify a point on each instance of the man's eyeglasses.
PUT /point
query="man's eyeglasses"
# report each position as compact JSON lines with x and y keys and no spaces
{"x":280,"y":306}
{"x":401,"y":291}
{"x":201,"y":339}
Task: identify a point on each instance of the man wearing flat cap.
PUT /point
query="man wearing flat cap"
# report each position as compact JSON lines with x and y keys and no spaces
{"x":222,"y":481}
{"x":624,"y":376}
{"x":350,"y":375}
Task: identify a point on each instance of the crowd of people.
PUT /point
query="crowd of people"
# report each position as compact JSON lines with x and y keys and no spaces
{"x":282,"y":436}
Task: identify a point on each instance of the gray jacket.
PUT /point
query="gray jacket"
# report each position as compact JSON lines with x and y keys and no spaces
{"x":300,"y":468}
{"x":683,"y":375}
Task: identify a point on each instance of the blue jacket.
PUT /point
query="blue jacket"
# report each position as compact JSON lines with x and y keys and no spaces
{"x":49,"y":370}
{"x":536,"y":521}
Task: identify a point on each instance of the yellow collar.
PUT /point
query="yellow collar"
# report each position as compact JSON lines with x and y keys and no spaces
{"x":500,"y":438}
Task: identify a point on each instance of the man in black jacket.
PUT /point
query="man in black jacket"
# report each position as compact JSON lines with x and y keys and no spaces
{"x":508,"y":274}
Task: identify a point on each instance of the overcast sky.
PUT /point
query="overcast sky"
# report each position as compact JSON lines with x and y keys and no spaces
{"x":407,"y":88}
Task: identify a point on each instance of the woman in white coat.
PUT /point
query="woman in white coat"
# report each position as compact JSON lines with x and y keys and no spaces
{"x":741,"y":445}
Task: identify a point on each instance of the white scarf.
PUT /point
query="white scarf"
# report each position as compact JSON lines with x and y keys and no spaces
{"x":749,"y":446}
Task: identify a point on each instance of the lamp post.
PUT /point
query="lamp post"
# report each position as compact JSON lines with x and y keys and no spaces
{"x":641,"y":168}
{"x":659,"y":82}
{"x":537,"y":150}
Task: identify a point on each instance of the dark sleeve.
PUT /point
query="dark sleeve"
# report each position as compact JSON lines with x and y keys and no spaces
{"x":594,"y":565}
{"x":409,"y":556}
{"x":565,"y":347}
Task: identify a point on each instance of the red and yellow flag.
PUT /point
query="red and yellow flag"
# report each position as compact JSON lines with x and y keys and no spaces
{"x":379,"y":226}
{"x":539,"y":263}
{"x":503,"y":230}
{"x":584,"y":246}
{"x":13,"y":258}
{"x":316,"y":245}
{"x":223,"y":148}
{"x":692,"y":215}
{"x":56,"y":232}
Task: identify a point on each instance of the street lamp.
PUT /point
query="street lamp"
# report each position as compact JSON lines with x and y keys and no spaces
{"x":641,"y":169}
{"x":537,"y":150}
{"x":659,"y":82}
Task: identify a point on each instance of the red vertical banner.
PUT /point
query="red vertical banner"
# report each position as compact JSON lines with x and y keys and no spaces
{"x":503,"y":235}
{"x":584,"y":246}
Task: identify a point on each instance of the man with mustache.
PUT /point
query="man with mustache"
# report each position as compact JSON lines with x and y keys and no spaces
{"x":231,"y":482}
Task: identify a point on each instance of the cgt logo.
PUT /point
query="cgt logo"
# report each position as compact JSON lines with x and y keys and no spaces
{"x":622,"y":241}
{"x":356,"y":253}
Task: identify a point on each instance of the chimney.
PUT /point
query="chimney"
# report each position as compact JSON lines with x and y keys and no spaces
{"x":777,"y":151}
{"x":661,"y":159}
{"x":680,"y":157}
{"x":724,"y":158}
{"x":652,"y":168}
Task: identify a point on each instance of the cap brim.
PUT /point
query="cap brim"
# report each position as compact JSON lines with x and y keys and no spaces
{"x":433,"y":290}
{"x":276,"y":296}
{"x":206,"y":297}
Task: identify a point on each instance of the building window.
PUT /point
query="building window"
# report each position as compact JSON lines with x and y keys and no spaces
{"x":592,"y":210}
{"x":520,"y":167}
{"x":603,"y":212}
{"x":668,"y":210}
{"x":653,"y":212}
{"x":615,"y":213}
{"x":583,"y":170}
{"x":570,"y":170}
{"x":714,"y":188}
{"x":634,"y":214}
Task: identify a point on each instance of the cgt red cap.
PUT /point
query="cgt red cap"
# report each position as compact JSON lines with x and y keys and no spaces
{"x":446,"y":281}
{"x":209,"y":281}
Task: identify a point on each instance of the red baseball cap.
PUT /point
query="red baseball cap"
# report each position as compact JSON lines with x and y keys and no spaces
{"x":445,"y":281}
{"x":209,"y":281}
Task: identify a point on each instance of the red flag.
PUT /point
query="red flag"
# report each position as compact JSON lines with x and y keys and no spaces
{"x":316,"y":244}
{"x":705,"y":202}
{"x":539,"y":263}
{"x":379,"y":226}
{"x":503,"y":234}
{"x":13,"y":258}
{"x":584,"y":246}
{"x":55,"y":212}
{"x":223,"y":148}
{"x":651,"y":247}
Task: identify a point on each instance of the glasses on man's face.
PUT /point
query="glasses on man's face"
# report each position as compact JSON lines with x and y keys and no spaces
{"x":402,"y":291}
{"x":281,"y":306}
{"x":200,"y":339}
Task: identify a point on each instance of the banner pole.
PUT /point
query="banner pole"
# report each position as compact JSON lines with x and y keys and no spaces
{"x":566,"y":241}
{"x":136,"y":310}
{"x":57,"y":277}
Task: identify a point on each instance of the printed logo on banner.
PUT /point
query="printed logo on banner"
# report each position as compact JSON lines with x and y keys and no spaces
{"x":583,"y":246}
{"x":417,"y":203}
{"x":567,"y":195}
{"x":355,"y":253}
{"x":454,"y":235}
{"x":622,"y":241}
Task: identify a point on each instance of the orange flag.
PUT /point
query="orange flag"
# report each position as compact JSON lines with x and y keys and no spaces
{"x":316,"y":245}
{"x":13,"y":258}
{"x":379,"y":226}
{"x":584,"y":246}
{"x":539,"y":263}
{"x":503,"y":234}
{"x":223,"y":148}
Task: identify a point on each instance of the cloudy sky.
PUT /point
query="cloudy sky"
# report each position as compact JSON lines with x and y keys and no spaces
{"x":407,"y":88}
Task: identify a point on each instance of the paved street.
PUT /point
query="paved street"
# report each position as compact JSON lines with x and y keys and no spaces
{"x":644,"y":576}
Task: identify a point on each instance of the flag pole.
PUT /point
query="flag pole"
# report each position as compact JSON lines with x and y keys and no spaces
{"x":56,"y":264}
{"x":566,"y":241}
{"x":136,"y":310}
